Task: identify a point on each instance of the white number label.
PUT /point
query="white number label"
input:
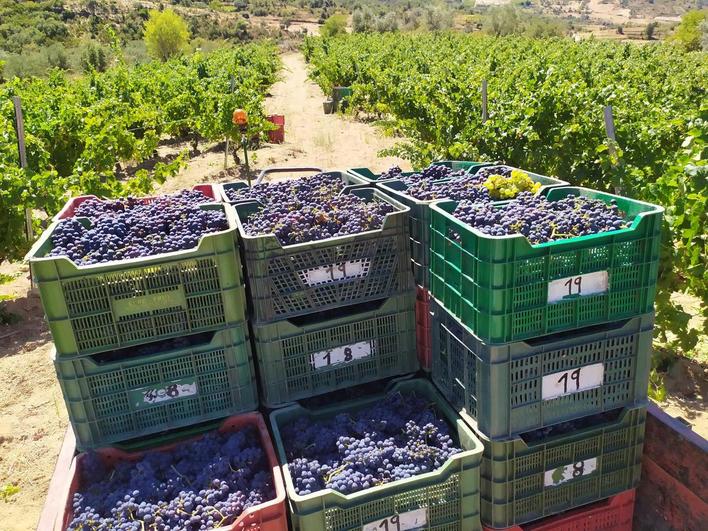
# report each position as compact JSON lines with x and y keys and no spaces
{"x":577,"y":286}
{"x":560,"y":475}
{"x":344,"y":354}
{"x":334,"y":272}
{"x":572,"y":381}
{"x":156,"y":395}
{"x":411,"y":520}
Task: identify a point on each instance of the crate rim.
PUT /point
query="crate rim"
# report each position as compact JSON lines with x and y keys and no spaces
{"x":437,"y":207}
{"x":381,"y":490}
{"x":295,"y":247}
{"x":130,"y":263}
{"x":253,"y":418}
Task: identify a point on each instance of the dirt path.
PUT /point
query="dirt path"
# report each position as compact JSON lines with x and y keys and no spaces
{"x":33,"y":417}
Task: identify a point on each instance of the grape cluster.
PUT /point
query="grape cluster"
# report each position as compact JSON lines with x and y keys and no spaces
{"x":202,"y":484}
{"x":541,"y":220}
{"x":398,"y":437}
{"x":310,"y":209}
{"x":128,"y":228}
{"x":431,"y":173}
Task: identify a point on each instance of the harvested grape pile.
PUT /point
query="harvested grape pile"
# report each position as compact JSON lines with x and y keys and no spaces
{"x":309,"y":209}
{"x":488,"y":184}
{"x":203,"y":484}
{"x":396,"y":438}
{"x":431,"y":173}
{"x":130,"y":228}
{"x":541,"y":220}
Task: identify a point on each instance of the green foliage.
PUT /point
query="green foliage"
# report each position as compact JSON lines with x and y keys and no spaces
{"x":334,"y":25}
{"x":657,"y":388}
{"x":649,"y":30}
{"x":94,"y":58}
{"x":546,"y":100}
{"x":166,"y":34}
{"x":8,"y":491}
{"x":688,"y":32}
{"x":80,"y":132}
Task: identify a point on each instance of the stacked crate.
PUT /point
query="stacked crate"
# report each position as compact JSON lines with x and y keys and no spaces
{"x":545,"y":351}
{"x":332,"y":313}
{"x":148,"y":344}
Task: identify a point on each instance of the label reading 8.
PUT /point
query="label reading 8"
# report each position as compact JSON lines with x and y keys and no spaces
{"x":572,"y":381}
{"x":577,"y":286}
{"x":343,"y":354}
{"x":148,"y":396}
{"x":334,"y":272}
{"x":561,"y":474}
{"x":409,"y":521}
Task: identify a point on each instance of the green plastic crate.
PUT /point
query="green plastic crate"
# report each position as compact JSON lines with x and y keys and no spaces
{"x":297,"y":361}
{"x":505,"y":390}
{"x":505,"y":289}
{"x":369,"y":176}
{"x":524,"y":481}
{"x":286,"y":281}
{"x":120,"y":395}
{"x":419,"y":219}
{"x":449,"y":496}
{"x":117,"y":304}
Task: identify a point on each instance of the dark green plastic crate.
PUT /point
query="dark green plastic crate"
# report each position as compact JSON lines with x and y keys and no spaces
{"x":286,"y":281}
{"x":419,"y":219}
{"x":285,"y":351}
{"x":449,"y":495}
{"x":498,"y":285}
{"x":368,"y":176}
{"x":110,"y":401}
{"x":500,"y":388}
{"x":523,"y":482}
{"x":102,"y":307}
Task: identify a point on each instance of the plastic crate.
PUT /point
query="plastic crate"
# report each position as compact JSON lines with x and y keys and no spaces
{"x":525,"y":480}
{"x":422,"y":328}
{"x":448,"y":496}
{"x":505,"y":289}
{"x":505,"y":390}
{"x":370,"y":177}
{"x":268,"y":516}
{"x":208,"y":190}
{"x":121,"y":395}
{"x":117,"y":304}
{"x":355,"y":345}
{"x":419,"y":219}
{"x":276,"y":136}
{"x":286,"y":281}
{"x":613,"y":514}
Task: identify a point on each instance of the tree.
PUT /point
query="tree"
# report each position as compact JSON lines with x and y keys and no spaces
{"x":649,"y":31}
{"x":94,"y":58}
{"x":334,"y":25}
{"x":688,"y":32}
{"x":166,"y":34}
{"x":501,"y":21}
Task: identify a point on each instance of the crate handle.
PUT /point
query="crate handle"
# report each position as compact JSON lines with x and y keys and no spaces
{"x":291,"y":169}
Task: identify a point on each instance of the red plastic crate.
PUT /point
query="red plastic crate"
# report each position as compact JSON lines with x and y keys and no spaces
{"x":269,"y":516}
{"x":71,"y":204}
{"x":277,"y":136}
{"x":612,"y":514}
{"x":422,"y":328}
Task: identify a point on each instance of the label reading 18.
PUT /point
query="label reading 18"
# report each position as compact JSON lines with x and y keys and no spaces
{"x":334,"y":272}
{"x":148,"y":396}
{"x":409,"y":521}
{"x":572,"y":381}
{"x":577,"y":286}
{"x":343,"y":354}
{"x":561,"y":474}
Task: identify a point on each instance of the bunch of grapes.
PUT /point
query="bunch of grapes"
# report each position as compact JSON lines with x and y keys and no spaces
{"x":304,"y":190}
{"x":431,"y":173}
{"x":398,"y":437}
{"x":127,"y":229}
{"x":202,"y":484}
{"x":541,"y":220}
{"x":310,"y":209}
{"x":394,"y":172}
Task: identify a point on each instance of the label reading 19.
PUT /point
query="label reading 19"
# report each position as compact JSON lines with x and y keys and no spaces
{"x":417,"y":519}
{"x":148,"y":396}
{"x":572,"y":381}
{"x":577,"y":286}
{"x":561,"y":474}
{"x":343,"y":354}
{"x":334,"y":272}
